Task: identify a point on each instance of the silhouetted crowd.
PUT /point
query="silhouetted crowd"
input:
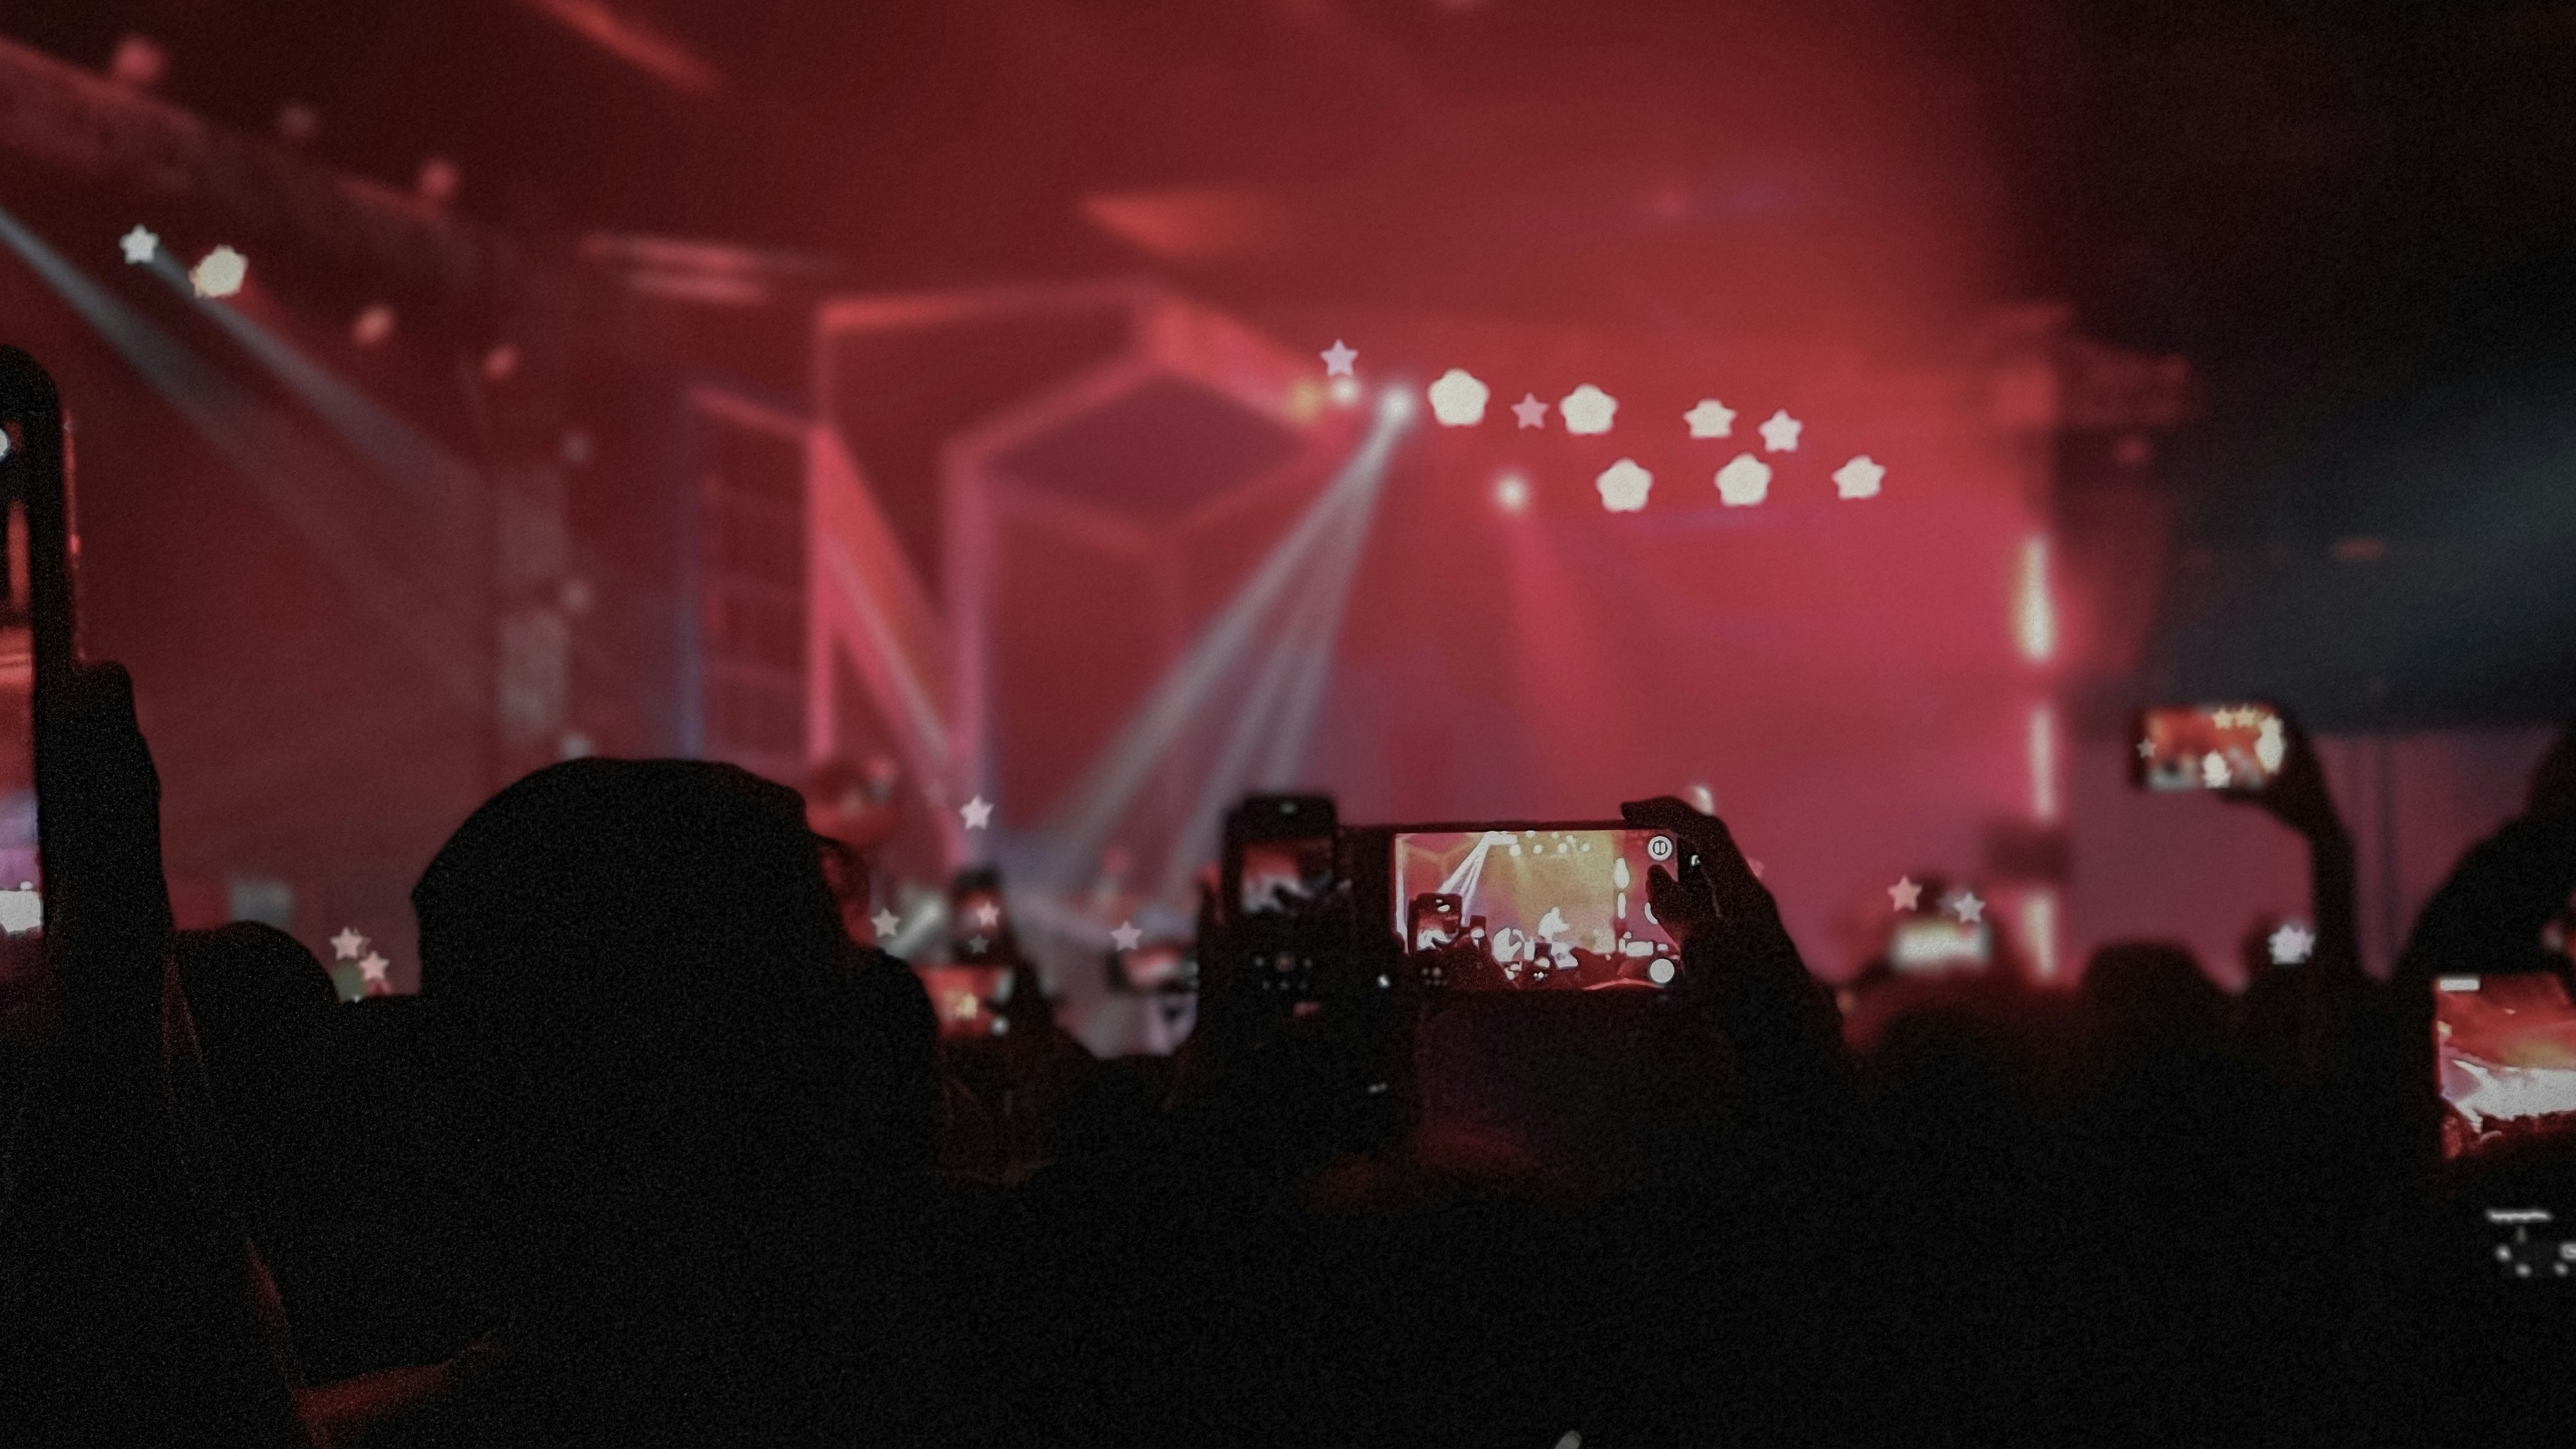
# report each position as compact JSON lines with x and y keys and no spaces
{"x":661,"y":1154}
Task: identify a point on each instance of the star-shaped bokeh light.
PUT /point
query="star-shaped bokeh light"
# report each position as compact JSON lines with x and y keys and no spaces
{"x":1128,"y":936}
{"x":219,"y":273}
{"x":1780,"y":432}
{"x":1458,"y":399}
{"x":139,"y":245}
{"x":1623,"y":486}
{"x":1587,"y":410}
{"x":1531,"y":412}
{"x":1907,"y":895}
{"x":988,"y":915}
{"x":1711,"y":419}
{"x":371,"y":975}
{"x":886,"y":922}
{"x":1970,"y":910}
{"x":977,"y":813}
{"x":347,"y":945}
{"x":1338,"y":359}
{"x":1858,"y":478}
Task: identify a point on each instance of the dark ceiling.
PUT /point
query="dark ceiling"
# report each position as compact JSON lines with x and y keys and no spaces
{"x":2357,"y":220}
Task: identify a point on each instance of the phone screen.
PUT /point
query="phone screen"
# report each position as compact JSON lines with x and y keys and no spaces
{"x":1535,"y":907}
{"x":1937,"y":943}
{"x":2505,"y":1052}
{"x":963,"y":998}
{"x":2208,"y":747}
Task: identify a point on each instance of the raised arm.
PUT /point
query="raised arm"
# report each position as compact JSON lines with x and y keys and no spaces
{"x":132,"y":1294}
{"x":2331,"y":984}
{"x":1739,"y":961}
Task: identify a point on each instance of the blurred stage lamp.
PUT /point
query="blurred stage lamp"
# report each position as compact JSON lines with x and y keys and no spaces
{"x":372,"y":325}
{"x":138,"y":63}
{"x":1344,"y":391}
{"x":1511,"y":493}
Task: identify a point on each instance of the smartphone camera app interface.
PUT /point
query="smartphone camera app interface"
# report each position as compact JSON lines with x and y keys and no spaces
{"x":2530,"y":1246}
{"x":1533,"y":909}
{"x":2505,"y":1048}
{"x":2213,"y":747}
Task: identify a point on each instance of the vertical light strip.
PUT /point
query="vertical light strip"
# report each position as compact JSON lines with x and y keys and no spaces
{"x":2039,"y":930}
{"x":2043,"y":763}
{"x":2034,"y":615}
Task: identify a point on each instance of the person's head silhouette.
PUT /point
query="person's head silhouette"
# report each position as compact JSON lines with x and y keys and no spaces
{"x":663,"y":1042}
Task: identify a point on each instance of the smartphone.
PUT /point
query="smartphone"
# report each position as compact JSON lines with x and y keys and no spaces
{"x":1542,"y":907}
{"x":1927,"y":945}
{"x":1281,"y":856}
{"x":2505,"y":1060}
{"x":36,"y":634}
{"x":978,"y":928}
{"x":2207,"y":747}
{"x":2529,"y":1244}
{"x":1281,"y":880}
{"x":964,"y":999}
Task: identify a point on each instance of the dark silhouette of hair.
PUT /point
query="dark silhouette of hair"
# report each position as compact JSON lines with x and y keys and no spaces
{"x":260,"y":1003}
{"x":687,"y":1088}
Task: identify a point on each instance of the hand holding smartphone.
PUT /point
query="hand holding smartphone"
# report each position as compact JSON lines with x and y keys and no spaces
{"x":1531,"y":907}
{"x":2232,"y":747}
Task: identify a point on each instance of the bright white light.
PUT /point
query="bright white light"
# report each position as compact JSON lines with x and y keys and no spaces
{"x":2292,"y":944}
{"x":2039,"y":932}
{"x":22,"y":910}
{"x":1395,"y":405}
{"x":1344,"y":391}
{"x":1458,"y":399}
{"x":1511,"y":493}
{"x":1623,"y":485}
{"x":1744,"y":481}
{"x":1587,"y":410}
{"x":1660,"y":970}
{"x":2034,"y":617}
{"x":1858,"y":478}
{"x":219,"y":273}
{"x":2043,"y":763}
